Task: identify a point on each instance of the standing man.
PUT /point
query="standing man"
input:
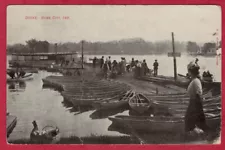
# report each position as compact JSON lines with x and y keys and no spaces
{"x":110,"y":63}
{"x":101,"y":61}
{"x":105,"y":69}
{"x":94,"y":62}
{"x":156,"y":65}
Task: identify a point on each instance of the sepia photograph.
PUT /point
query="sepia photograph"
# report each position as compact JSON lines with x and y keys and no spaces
{"x":113,"y":74}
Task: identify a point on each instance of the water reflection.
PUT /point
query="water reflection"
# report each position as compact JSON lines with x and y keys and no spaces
{"x":17,"y":86}
{"x":76,"y":109}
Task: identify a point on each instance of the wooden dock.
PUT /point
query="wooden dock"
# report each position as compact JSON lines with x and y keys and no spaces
{"x":10,"y":124}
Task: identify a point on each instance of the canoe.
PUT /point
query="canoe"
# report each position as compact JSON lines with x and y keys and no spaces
{"x":140,"y":103}
{"x":21,"y":79}
{"x":114,"y":102}
{"x":160,"y":124}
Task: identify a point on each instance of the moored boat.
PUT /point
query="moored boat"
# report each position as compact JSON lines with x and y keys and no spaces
{"x":181,"y":81}
{"x":114,"y":102}
{"x":140,"y":103}
{"x":161,"y":124}
{"x":21,"y":79}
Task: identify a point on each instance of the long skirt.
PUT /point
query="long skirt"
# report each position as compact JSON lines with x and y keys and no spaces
{"x":195,"y":116}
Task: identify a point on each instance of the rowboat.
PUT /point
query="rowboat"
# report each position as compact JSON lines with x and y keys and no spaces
{"x":21,"y":79}
{"x":114,"y":102}
{"x":175,"y":97}
{"x":179,"y":108}
{"x":207,"y":82}
{"x":185,"y":102}
{"x":140,"y":103}
{"x":182,"y":81}
{"x":161,"y":124}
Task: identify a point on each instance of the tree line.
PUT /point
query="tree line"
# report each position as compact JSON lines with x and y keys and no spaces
{"x":193,"y":47}
{"x":136,"y":46}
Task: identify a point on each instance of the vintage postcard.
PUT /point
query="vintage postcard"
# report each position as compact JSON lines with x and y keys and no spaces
{"x":119,"y":74}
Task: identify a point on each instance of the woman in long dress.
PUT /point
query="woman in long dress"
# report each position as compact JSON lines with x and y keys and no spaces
{"x":195,"y":116}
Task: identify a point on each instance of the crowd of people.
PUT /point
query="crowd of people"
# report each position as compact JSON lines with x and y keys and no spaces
{"x":113,"y":68}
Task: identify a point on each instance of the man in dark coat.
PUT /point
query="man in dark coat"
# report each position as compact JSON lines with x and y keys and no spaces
{"x":156,"y":65}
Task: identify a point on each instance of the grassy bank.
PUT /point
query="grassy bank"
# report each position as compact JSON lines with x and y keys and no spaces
{"x":85,"y":140}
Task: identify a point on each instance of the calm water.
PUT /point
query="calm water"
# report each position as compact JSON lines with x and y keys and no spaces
{"x":30,"y":101}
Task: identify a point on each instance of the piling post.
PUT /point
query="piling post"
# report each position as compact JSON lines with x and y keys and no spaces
{"x":82,"y":54}
{"x":174,"y":58}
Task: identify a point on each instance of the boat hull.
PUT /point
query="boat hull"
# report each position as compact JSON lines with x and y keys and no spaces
{"x":148,"y":124}
{"x":115,"y":102}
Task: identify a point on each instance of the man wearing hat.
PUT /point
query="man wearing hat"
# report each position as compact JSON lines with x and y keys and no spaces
{"x":155,"y":65}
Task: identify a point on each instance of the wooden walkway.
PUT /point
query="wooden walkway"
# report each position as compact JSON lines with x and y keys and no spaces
{"x":10,"y":123}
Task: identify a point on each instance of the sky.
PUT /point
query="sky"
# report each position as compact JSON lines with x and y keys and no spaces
{"x":107,"y":23}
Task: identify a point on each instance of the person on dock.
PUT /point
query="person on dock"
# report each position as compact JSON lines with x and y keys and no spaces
{"x":110,"y":63}
{"x":114,"y":64}
{"x":101,"y":61}
{"x":195,"y":115}
{"x":132,"y":64}
{"x":144,"y":67}
{"x":123,"y":65}
{"x":105,"y":69}
{"x":94,"y":62}
{"x":137,"y":70}
{"x":22,"y":73}
{"x":12,"y":73}
{"x":155,"y":66}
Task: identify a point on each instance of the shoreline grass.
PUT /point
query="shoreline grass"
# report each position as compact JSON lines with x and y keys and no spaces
{"x":84,"y":140}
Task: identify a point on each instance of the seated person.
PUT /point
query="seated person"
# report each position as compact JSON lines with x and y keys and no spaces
{"x":209,"y":74}
{"x":204,"y":74}
{"x":11,"y":73}
{"x":22,"y":73}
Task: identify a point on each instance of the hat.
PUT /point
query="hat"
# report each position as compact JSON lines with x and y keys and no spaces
{"x":192,"y":65}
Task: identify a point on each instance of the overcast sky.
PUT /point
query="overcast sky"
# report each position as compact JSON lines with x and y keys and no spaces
{"x":106,"y":23}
